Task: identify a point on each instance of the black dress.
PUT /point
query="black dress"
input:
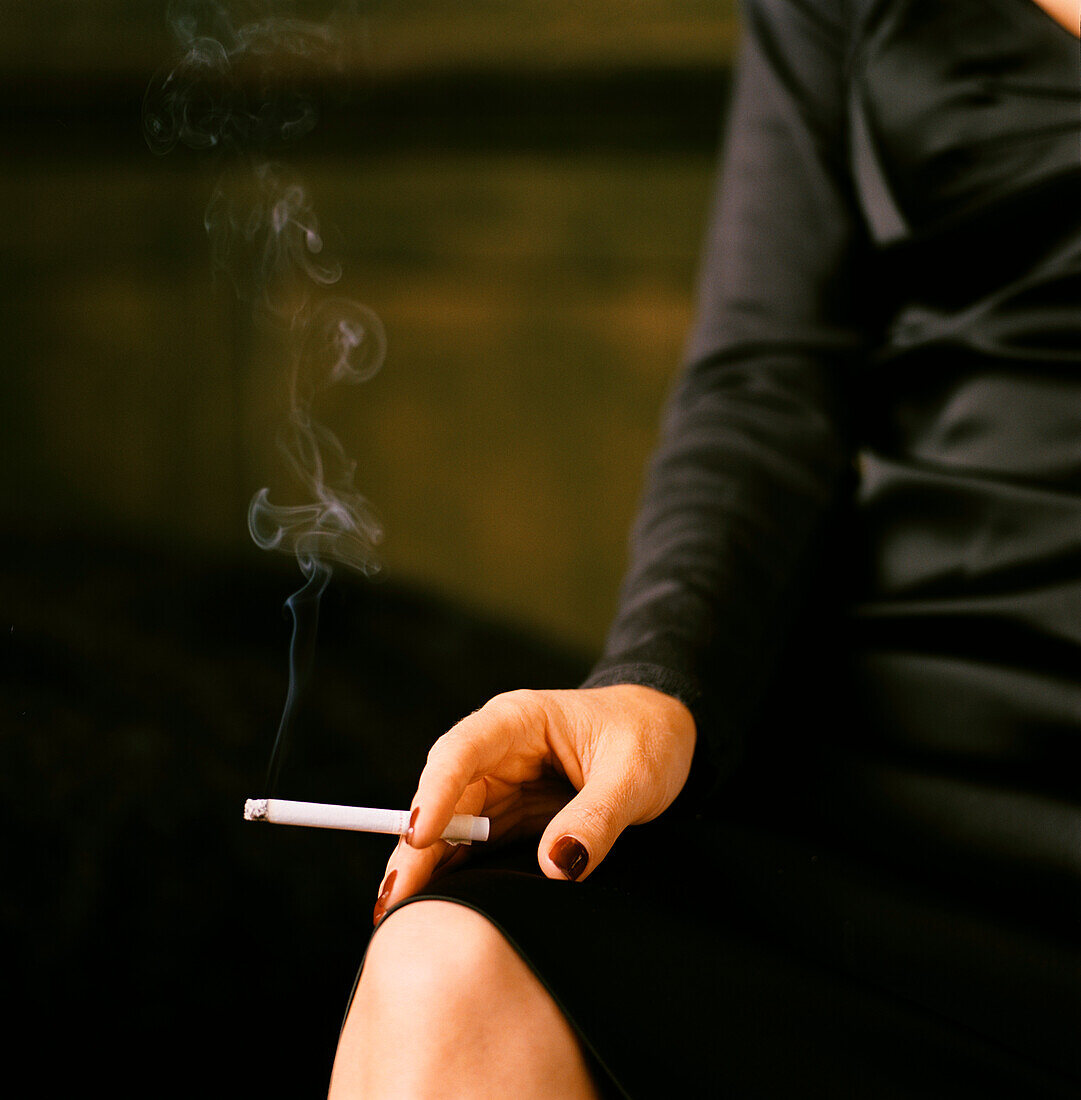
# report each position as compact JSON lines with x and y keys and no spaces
{"x":859,"y":562}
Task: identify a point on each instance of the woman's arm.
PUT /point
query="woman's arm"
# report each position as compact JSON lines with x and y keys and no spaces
{"x":755,"y":451}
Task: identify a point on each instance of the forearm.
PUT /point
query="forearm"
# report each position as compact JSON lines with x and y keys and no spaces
{"x":755,"y":451}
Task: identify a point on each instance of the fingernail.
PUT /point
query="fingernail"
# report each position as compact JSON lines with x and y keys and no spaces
{"x":570,"y":856}
{"x":412,"y":824}
{"x":384,"y":897}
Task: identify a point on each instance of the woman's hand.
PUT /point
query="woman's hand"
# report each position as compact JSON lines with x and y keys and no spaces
{"x":626,"y":750}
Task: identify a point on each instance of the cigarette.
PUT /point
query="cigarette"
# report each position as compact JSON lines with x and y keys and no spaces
{"x":463,"y":828}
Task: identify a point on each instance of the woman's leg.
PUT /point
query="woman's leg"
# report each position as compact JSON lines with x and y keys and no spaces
{"x":446,"y":1009}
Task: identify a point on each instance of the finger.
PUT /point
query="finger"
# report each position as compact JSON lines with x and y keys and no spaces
{"x":584,"y":830}
{"x":408,"y":871}
{"x":469,"y":752}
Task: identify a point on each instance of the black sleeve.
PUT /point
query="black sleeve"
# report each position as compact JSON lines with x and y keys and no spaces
{"x":754,"y":452}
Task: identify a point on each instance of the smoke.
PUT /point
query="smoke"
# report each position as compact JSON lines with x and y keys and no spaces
{"x":227,"y":89}
{"x":343,"y":343}
{"x":244,"y":90}
{"x":265,"y":237}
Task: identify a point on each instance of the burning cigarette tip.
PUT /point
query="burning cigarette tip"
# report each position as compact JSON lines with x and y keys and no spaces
{"x":255,"y":809}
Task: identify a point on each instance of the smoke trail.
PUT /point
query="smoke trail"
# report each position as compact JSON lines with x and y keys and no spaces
{"x":226,"y":90}
{"x":343,"y":343}
{"x":225,"y":93}
{"x":303,"y":606}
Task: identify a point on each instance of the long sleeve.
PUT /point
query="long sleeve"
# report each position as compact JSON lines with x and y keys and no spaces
{"x":754,"y":453}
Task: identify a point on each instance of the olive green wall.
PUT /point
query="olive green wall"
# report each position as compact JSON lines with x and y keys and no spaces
{"x":518,"y":191}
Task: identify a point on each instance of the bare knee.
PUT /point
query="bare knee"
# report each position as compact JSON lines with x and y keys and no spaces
{"x":473,"y":1012}
{"x":434,"y":958}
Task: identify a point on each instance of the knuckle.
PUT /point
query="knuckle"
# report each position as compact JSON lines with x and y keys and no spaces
{"x":639,"y":759}
{"x":521,"y":700}
{"x":449,"y":748}
{"x":641,"y":762}
{"x":601,"y":817}
{"x":439,"y":749}
{"x":524,"y":710}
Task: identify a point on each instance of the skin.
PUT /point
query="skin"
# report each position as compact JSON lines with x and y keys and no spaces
{"x":1066,"y":12}
{"x":473,"y":1020}
{"x":447,"y":1010}
{"x":583,"y":763}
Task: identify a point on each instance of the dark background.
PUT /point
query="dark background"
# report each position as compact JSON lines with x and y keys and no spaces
{"x":518,"y":190}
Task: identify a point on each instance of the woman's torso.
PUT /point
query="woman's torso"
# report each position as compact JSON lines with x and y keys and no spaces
{"x":955,"y":732}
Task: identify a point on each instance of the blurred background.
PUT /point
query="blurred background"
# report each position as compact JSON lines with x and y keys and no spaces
{"x":518,"y":190}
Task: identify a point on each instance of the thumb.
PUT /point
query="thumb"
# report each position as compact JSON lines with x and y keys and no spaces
{"x":583,"y":832}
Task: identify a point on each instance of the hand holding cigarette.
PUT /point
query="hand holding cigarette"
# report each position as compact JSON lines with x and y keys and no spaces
{"x":461,"y":829}
{"x":625,"y":749}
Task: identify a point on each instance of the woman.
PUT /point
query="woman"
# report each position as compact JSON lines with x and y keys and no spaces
{"x":848,"y":640}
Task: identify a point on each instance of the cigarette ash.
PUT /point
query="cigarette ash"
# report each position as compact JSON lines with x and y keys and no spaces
{"x":255,"y":809}
{"x":242,"y":91}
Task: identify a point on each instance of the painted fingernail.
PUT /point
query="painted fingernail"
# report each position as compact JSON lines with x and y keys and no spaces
{"x":412,"y":825}
{"x":384,"y":897}
{"x":570,"y":856}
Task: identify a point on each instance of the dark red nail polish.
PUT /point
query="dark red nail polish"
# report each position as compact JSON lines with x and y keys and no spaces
{"x":570,"y":856}
{"x":412,"y":824}
{"x":384,"y":897}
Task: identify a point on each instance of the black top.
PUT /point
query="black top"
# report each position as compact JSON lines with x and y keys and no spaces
{"x":884,"y":375}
